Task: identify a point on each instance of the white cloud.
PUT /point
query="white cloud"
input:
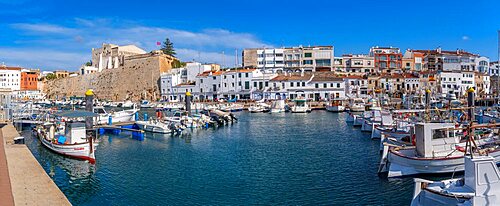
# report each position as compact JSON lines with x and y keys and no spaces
{"x":44,"y":28}
{"x":41,"y":58}
{"x":465,"y":38}
{"x":85,"y":34}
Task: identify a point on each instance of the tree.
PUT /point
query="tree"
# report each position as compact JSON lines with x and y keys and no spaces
{"x":89,"y":63}
{"x":51,"y":76}
{"x":168,"y":47}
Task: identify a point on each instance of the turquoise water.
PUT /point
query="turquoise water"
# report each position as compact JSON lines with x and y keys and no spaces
{"x":285,"y":159}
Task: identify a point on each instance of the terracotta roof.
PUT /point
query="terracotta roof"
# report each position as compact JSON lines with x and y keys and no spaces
{"x":435,"y":51}
{"x":353,"y":77}
{"x":293,"y":77}
{"x":241,"y":70}
{"x":3,"y":67}
{"x":207,"y":73}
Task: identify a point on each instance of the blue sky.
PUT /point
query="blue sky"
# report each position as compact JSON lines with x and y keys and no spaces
{"x":60,"y":34}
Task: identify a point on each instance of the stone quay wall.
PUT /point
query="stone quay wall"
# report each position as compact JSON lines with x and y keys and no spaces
{"x":138,"y":78}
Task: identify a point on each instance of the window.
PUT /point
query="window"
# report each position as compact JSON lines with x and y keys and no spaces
{"x":201,"y":81}
{"x":338,"y":85}
{"x":308,"y":62}
{"x":324,"y":85}
{"x":308,"y":54}
{"x":255,"y":84}
{"x":247,"y":85}
{"x":316,"y":85}
{"x":246,"y":75}
{"x":303,"y":84}
{"x":291,"y":84}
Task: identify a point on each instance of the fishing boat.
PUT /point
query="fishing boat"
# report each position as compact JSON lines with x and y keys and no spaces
{"x":116,"y":116}
{"x":301,"y":106}
{"x":357,"y":105}
{"x":336,"y":105}
{"x":479,"y":186}
{"x":70,"y":138}
{"x":278,"y":106}
{"x":154,"y":126}
{"x":438,"y":149}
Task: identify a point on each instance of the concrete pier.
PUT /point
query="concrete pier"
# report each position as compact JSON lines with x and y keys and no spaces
{"x":28,"y":183}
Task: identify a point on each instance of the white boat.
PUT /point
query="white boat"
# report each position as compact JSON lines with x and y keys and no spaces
{"x":301,"y":106}
{"x":147,"y":104}
{"x":119,"y":116}
{"x":479,"y":186}
{"x":278,"y":106}
{"x":127,"y":104}
{"x":259,"y":108}
{"x":437,"y":150}
{"x":154,"y":126}
{"x":357,"y":105}
{"x":173,"y":106}
{"x":71,"y":139}
{"x":336,"y":105}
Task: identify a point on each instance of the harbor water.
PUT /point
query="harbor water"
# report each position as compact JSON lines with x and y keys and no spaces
{"x":285,"y":159}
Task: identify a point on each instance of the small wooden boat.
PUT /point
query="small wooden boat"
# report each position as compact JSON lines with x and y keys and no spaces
{"x":70,"y":138}
{"x":336,"y":105}
{"x":479,"y":186}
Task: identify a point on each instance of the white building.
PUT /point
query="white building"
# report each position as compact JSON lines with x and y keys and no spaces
{"x":317,"y":86}
{"x":290,"y":59}
{"x":494,"y":69}
{"x":355,"y":86}
{"x":112,"y":56}
{"x":456,"y":82}
{"x":30,"y":94}
{"x":10,"y":78}
{"x":88,"y":70}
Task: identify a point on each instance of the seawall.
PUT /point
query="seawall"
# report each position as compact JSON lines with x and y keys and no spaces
{"x":29,"y":183}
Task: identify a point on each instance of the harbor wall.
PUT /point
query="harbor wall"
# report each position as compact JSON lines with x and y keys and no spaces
{"x":30,"y":184}
{"x":138,"y":78}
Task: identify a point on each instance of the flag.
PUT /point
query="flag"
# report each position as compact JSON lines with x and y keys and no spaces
{"x":158,"y":43}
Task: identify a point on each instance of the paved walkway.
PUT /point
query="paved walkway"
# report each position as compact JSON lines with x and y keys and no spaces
{"x":29,"y":182}
{"x":6,"y":197}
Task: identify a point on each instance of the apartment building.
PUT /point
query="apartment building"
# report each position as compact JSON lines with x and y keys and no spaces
{"x":387,"y":59}
{"x":290,"y":59}
{"x":456,"y":82}
{"x":358,"y":64}
{"x":10,"y":78}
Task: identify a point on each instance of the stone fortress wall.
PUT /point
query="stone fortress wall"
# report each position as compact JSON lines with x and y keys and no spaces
{"x":138,"y":78}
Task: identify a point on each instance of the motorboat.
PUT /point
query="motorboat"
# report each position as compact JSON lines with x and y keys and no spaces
{"x":336,"y":105}
{"x":154,"y":126}
{"x":301,"y":106}
{"x":259,"y":108}
{"x":127,"y":104}
{"x":231,"y":107}
{"x":479,"y":186}
{"x":438,"y":149}
{"x":116,"y":116}
{"x":69,"y":138}
{"x":147,"y":104}
{"x":278,"y":106}
{"x":357,"y":105}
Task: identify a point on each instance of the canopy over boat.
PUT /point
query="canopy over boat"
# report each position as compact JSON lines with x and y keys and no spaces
{"x":76,"y":114}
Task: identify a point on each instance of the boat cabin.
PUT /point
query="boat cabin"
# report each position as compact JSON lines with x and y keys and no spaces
{"x":483,"y":177}
{"x":435,"y":139}
{"x":75,"y":132}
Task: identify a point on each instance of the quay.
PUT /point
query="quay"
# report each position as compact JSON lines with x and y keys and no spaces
{"x":22,"y":179}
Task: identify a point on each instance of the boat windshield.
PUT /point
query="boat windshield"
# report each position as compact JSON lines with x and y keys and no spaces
{"x":99,"y":111}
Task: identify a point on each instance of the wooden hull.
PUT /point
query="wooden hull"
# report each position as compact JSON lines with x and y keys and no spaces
{"x":77,"y":151}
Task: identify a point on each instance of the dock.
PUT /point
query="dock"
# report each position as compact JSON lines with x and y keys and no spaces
{"x":27,"y":181}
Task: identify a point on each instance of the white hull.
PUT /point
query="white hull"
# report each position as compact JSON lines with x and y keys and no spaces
{"x":357,"y":108}
{"x":401,"y":164}
{"x":277,"y":110}
{"x":79,"y":151}
{"x":300,"y":109}
{"x":156,"y":127}
{"x":116,"y":117}
{"x":338,"y":108}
